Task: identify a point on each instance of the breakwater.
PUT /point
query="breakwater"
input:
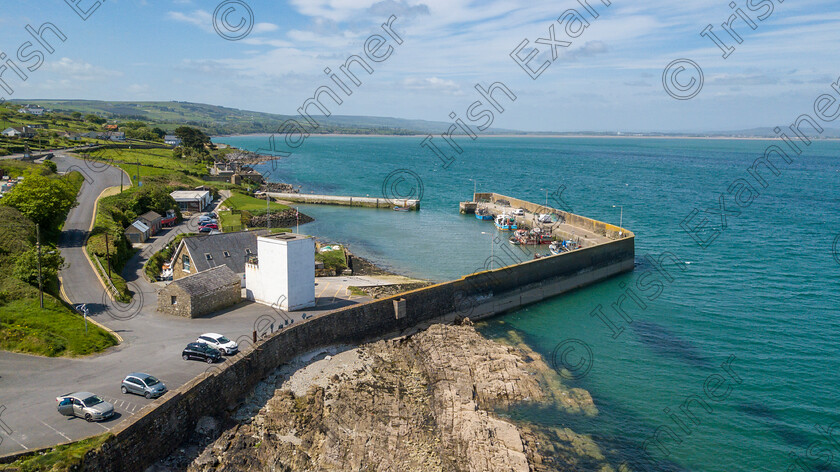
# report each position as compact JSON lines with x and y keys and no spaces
{"x":367,"y":202}
{"x":156,"y":431}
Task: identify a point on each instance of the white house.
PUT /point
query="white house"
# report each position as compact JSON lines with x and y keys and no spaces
{"x":115,"y":135}
{"x":283,"y":274}
{"x":172,"y":140}
{"x":192,"y":200}
{"x":22,"y":132}
{"x":32,"y":110}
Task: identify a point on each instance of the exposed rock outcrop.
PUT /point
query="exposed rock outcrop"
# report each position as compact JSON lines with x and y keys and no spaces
{"x":420,"y":403}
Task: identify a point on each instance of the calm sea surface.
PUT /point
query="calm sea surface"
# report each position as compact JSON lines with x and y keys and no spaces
{"x":766,"y":291}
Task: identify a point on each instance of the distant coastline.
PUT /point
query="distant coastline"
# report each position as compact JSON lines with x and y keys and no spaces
{"x":555,"y":136}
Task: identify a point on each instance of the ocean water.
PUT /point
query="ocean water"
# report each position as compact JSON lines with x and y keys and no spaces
{"x":746,"y":339}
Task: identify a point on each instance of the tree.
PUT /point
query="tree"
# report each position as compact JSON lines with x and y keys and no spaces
{"x":159,"y":132}
{"x":42,"y":199}
{"x":51,"y":166}
{"x":76,"y":115}
{"x":95,"y":119}
{"x":26,"y":264}
{"x":193,"y":138}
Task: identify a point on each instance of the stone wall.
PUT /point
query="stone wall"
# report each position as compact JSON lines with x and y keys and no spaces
{"x":195,"y":306}
{"x":178,"y":271}
{"x":597,"y":227}
{"x":157,"y":431}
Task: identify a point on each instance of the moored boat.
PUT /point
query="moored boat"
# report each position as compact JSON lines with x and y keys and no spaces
{"x":506,"y":223}
{"x":483,"y":214}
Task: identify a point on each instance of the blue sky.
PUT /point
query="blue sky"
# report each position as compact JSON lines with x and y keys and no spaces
{"x":609,"y":78}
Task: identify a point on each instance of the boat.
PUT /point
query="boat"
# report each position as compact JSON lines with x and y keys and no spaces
{"x":399,"y":208}
{"x":483,"y":214}
{"x":506,"y":223}
{"x":558,"y":247}
{"x":514,"y":240}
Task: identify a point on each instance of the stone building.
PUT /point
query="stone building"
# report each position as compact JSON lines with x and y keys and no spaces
{"x":201,"y":294}
{"x":199,"y":253}
{"x":152,"y":220}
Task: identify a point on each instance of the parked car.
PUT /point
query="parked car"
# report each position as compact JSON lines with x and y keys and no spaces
{"x":207,"y":222}
{"x":209,"y":225}
{"x":143,"y":384}
{"x":519,"y":212}
{"x":84,"y":405}
{"x":217,"y":341}
{"x":204,"y":229}
{"x":202,"y":352}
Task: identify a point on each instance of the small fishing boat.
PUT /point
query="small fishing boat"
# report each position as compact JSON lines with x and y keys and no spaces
{"x":399,"y":208}
{"x":483,"y":214}
{"x":506,"y":223}
{"x":514,"y":240}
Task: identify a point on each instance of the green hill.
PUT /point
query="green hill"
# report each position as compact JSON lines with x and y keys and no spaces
{"x":217,"y":120}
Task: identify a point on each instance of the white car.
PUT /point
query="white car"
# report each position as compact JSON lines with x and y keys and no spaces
{"x":217,"y":341}
{"x":519,"y":212}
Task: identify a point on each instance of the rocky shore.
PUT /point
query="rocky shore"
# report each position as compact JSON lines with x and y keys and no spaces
{"x":425,"y":402}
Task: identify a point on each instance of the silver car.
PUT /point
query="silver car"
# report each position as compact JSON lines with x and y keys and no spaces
{"x":143,"y":384}
{"x":84,"y":405}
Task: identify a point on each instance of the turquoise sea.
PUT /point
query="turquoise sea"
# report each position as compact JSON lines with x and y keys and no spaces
{"x":763,"y":297}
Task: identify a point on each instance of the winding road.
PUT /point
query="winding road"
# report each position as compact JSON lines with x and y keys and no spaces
{"x":152,"y":342}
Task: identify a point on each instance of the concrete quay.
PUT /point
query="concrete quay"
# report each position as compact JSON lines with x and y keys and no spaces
{"x":367,"y":202}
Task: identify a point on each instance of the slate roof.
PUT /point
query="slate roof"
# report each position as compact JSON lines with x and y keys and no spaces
{"x":207,"y":281}
{"x":149,"y":216}
{"x":216,"y":245}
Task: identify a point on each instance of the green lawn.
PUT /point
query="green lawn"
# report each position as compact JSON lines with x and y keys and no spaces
{"x":230,"y":222}
{"x":159,"y":158}
{"x":58,"y":459}
{"x":54,"y":331}
{"x":242,"y":202}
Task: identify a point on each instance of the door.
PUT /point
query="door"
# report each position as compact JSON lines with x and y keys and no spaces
{"x":65,"y":407}
{"x":133,"y":385}
{"x":78,"y":408}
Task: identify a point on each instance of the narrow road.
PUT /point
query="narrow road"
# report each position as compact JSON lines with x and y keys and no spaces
{"x":152,"y":341}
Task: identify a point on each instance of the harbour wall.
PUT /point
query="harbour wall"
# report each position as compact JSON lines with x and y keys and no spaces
{"x":578,"y":221}
{"x":157,"y":430}
{"x":367,"y":202}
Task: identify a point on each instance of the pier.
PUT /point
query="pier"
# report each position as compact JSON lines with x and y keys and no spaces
{"x":367,"y":202}
{"x":564,"y":225}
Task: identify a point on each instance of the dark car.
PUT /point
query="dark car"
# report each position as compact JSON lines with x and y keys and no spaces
{"x":202,"y":352}
{"x":205,"y":229}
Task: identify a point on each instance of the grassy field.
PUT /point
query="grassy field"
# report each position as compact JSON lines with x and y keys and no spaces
{"x":58,"y":459}
{"x":230,"y":221}
{"x":152,"y":158}
{"x":242,"y":202}
{"x":54,"y":331}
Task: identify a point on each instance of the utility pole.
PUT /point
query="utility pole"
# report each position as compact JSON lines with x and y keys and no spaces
{"x":268,"y":211}
{"x":107,"y":255}
{"x":40,"y":282}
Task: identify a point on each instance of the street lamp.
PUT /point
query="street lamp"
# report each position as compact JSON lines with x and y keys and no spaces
{"x":492,"y":249}
{"x":621,"y":217}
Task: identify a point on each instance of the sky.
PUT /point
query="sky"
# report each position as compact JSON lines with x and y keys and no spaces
{"x":607,"y":78}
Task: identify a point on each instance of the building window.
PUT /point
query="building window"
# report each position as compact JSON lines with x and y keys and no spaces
{"x":185,"y":261}
{"x":247,"y":252}
{"x":227,"y":254}
{"x":209,"y":256}
{"x":174,"y":300}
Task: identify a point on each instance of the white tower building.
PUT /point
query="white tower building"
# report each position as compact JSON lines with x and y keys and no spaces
{"x":283,"y":273}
